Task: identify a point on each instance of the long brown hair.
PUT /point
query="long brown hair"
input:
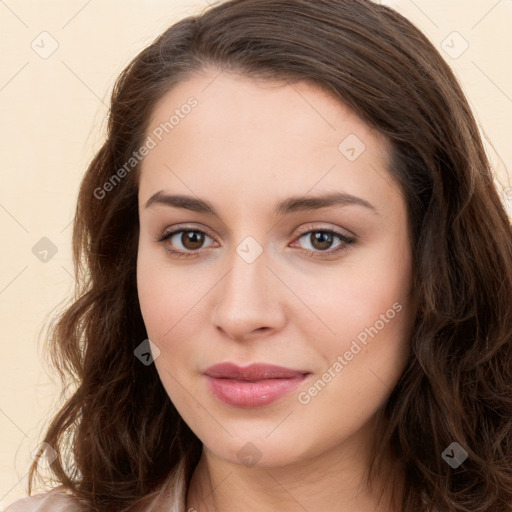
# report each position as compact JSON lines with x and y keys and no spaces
{"x":118,"y":435}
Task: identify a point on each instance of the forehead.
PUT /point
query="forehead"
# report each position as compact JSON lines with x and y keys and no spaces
{"x":226,"y":131}
{"x":301,"y":107}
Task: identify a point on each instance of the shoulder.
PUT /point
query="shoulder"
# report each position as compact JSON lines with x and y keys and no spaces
{"x":171,"y":497}
{"x":56,"y":500}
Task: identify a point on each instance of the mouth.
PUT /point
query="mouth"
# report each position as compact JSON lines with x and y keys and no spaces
{"x":252,"y":386}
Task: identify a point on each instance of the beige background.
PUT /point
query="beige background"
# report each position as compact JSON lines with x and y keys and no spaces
{"x":52,"y":113}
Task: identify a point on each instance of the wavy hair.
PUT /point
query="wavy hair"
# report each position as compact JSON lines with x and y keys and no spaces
{"x":118,"y":436}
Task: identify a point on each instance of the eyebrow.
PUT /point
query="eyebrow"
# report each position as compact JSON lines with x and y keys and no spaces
{"x":285,"y":207}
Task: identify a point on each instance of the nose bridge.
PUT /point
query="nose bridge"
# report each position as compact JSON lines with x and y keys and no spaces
{"x":246,"y":283}
{"x":246,"y":298}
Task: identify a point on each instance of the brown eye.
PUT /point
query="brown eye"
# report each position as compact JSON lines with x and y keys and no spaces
{"x":321,"y":240}
{"x":184,"y":242}
{"x":192,"y":240}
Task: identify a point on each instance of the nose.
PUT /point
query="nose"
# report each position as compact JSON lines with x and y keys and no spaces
{"x":249,"y":300}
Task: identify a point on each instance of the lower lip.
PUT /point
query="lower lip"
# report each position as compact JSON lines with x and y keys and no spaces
{"x":252,"y":394}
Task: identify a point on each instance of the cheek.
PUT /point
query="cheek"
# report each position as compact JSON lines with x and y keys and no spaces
{"x":379,"y":314}
{"x":152,"y":296}
{"x":168,"y":295}
{"x":371,"y":315}
{"x":362,"y":291}
{"x":166,"y":301}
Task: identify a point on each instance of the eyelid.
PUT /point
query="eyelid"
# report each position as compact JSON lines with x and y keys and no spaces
{"x":324,"y":227}
{"x":183,"y":227}
{"x":304,"y":230}
{"x":346,"y":242}
{"x":347,"y":239}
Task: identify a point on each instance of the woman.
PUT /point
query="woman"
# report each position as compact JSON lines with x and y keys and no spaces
{"x":295,"y":278}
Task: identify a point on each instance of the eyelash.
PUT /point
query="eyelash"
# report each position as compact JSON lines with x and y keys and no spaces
{"x":344,"y":246}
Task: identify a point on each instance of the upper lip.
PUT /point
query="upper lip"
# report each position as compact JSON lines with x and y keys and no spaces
{"x":255,"y":371}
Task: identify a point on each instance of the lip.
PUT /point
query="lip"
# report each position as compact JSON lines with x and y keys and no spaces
{"x":252,"y":386}
{"x":253,"y":372}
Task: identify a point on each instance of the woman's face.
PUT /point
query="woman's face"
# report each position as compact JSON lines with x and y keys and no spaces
{"x":292,"y":249}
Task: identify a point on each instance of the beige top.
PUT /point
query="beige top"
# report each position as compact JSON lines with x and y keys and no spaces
{"x":172,"y":498}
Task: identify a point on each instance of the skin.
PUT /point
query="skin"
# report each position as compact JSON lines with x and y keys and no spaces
{"x":247,"y":145}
